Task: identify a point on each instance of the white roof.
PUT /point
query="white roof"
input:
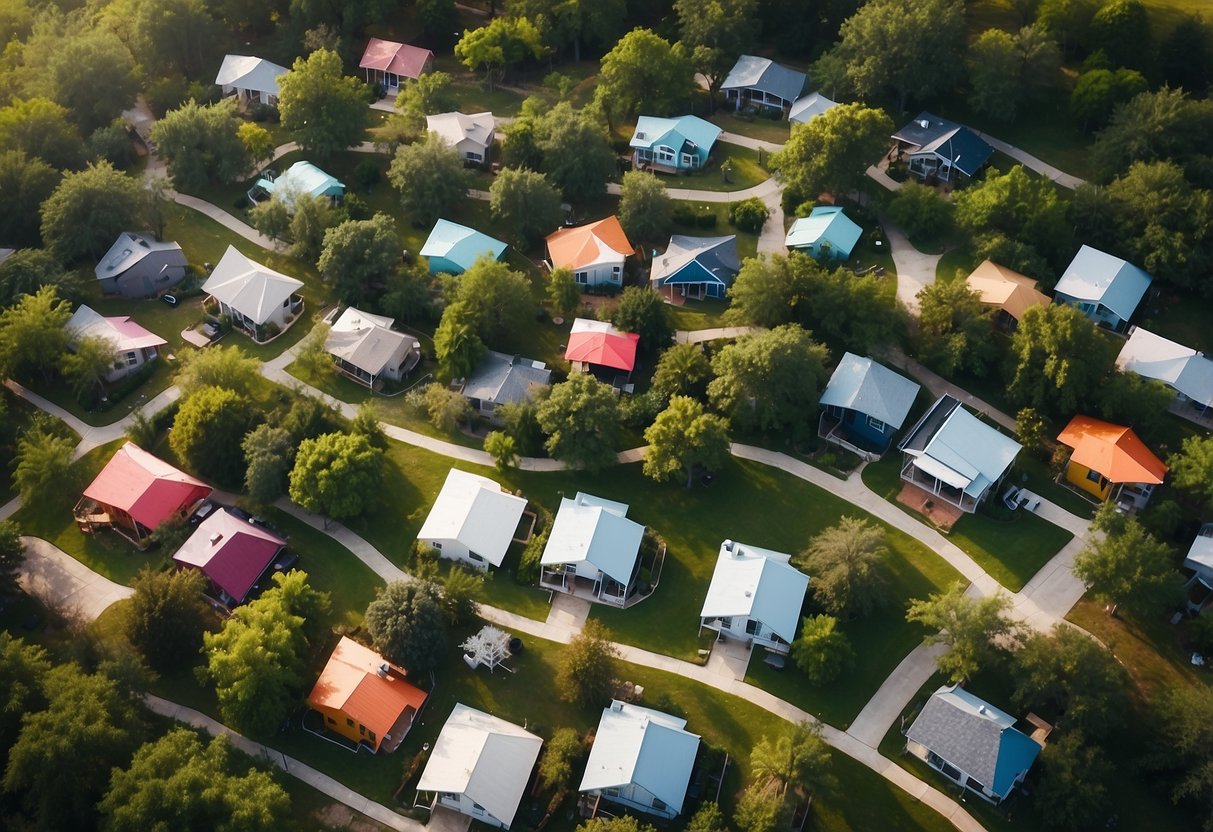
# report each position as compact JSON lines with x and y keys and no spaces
{"x":475,"y":511}
{"x":485,"y":758}
{"x":862,"y":385}
{"x":1180,"y":367}
{"x":1200,"y":554}
{"x":809,"y":107}
{"x":248,"y":287}
{"x":248,"y":73}
{"x":129,"y":249}
{"x":122,"y":332}
{"x":964,"y":452}
{"x":1099,"y":277}
{"x":596,"y":531}
{"x":593,"y":325}
{"x":640,"y":746}
{"x":355,"y":320}
{"x":759,"y":584}
{"x":454,"y":128}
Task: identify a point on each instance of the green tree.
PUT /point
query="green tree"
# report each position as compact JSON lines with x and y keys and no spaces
{"x":644,"y":73}
{"x":85,"y":366}
{"x":426,"y":96}
{"x":359,"y":254}
{"x":272,"y":218}
{"x":457,"y":343}
{"x":1121,"y":30}
{"x":498,"y":297}
{"x":32,"y":333}
{"x":1185,"y":56}
{"x":337,"y":475}
{"x":708,"y":818}
{"x":975,"y":630}
{"x":1192,"y":467}
{"x":227,"y":367}
{"x":430,"y":177}
{"x":445,"y":407}
{"x":643,"y":311}
{"x":955,"y":328}
{"x":268,"y":451}
{"x":324,"y":110}
{"x":798,"y":758}
{"x":525,"y":202}
{"x":311,"y":219}
{"x":563,"y":294}
{"x":572,"y":23}
{"x":1068,"y":21}
{"x":621,"y":823}
{"x":27,"y":270}
{"x":682,"y":370}
{"x":822,"y":651}
{"x":683,"y":439}
{"x":1058,"y":360}
{"x":461,"y":591}
{"x":258,"y":142}
{"x":207,"y":431}
{"x":1161,"y":125}
{"x":848,"y":563}
{"x":833,"y":152}
{"x":1071,"y":674}
{"x":770,"y":381}
{"x":12,"y":556}
{"x":1072,"y":791}
{"x":23,"y":668}
{"x":112,"y":144}
{"x":366,"y":422}
{"x":1008,"y":69}
{"x":87,"y":210}
{"x":504,"y":42}
{"x":581,"y":419}
{"x":176,"y":36}
{"x":716,"y":32}
{"x":42,"y":130}
{"x":768,"y":290}
{"x":521,"y":421}
{"x":1017,"y":204}
{"x":1180,"y":744}
{"x":577,"y":154}
{"x":1097,"y":92}
{"x":1130,"y":399}
{"x":502,"y":448}
{"x":920,"y":211}
{"x":407,"y":624}
{"x":646,"y":211}
{"x":1127,"y":567}
{"x":588,"y":666}
{"x":95,"y":54}
{"x":44,"y":467}
{"x":438,"y":19}
{"x":167,"y":616}
{"x":26,"y":183}
{"x":561,"y":754}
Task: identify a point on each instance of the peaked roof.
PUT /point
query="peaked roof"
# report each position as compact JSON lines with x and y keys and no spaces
{"x":396,"y":58}
{"x":301,"y":179}
{"x":1099,"y":277}
{"x":351,"y":683}
{"x":862,"y":385}
{"x":807,"y":108}
{"x":827,"y":224}
{"x":652,"y":129}
{"x":715,"y":259}
{"x":506,"y":379}
{"x":596,"y":531}
{"x":975,"y":737}
{"x":1009,"y":290}
{"x":1200,"y":554}
{"x":363,"y":341}
{"x":230,"y":551}
{"x":144,"y":486}
{"x":121,"y":331}
{"x":352,"y":319}
{"x":597,"y":342}
{"x":248,"y":73}
{"x":955,"y":447}
{"x":248,"y":287}
{"x":453,"y":128}
{"x":461,"y":245}
{"x":635,"y":745}
{"x":1111,"y":450}
{"x":1180,"y":367}
{"x":766,"y":75}
{"x":475,"y":511}
{"x":129,"y":249}
{"x":962,"y":147}
{"x":584,"y":245}
{"x":485,"y":758}
{"x":759,"y":584}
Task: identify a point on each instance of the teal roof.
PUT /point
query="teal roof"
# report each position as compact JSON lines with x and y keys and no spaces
{"x":650,"y":130}
{"x":460,"y":245}
{"x":826,"y":224}
{"x":303,"y":178}
{"x":862,"y":385}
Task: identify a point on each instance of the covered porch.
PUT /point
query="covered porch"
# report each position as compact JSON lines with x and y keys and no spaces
{"x":92,"y":517}
{"x":934,"y":482}
{"x":832,"y":427}
{"x":602,"y":589}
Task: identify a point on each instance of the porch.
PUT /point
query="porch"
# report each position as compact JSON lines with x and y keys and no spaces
{"x":832,"y":428}
{"x":601,"y":590}
{"x":937,"y":488}
{"x":942,"y":515}
{"x":1194,"y":412}
{"x":92,"y":517}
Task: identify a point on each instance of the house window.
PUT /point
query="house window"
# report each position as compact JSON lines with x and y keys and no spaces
{"x":370,"y":735}
{"x":664,"y":154}
{"x":132,"y":358}
{"x":726,"y":623}
{"x":361,"y":729}
{"x":475,"y":557}
{"x":581,"y":277}
{"x":331,"y":720}
{"x":449,"y":796}
{"x":437,"y":545}
{"x":689,"y":160}
{"x":1097,"y":478}
{"x":658,"y":804}
{"x":753,"y":627}
{"x":875,"y":424}
{"x":975,"y":785}
{"x":349,"y":723}
{"x":475,"y":157}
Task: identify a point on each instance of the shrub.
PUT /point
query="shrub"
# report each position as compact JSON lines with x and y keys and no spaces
{"x":749,"y":215}
{"x":707,"y":219}
{"x":367,"y":174}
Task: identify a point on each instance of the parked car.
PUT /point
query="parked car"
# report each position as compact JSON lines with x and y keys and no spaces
{"x":171,"y":300}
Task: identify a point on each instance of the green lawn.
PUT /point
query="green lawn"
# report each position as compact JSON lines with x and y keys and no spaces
{"x":1039,"y":481}
{"x":764,"y":129}
{"x":1184,"y":319}
{"x":953,"y":260}
{"x":746,"y":173}
{"x":747,"y":244}
{"x":116,"y":408}
{"x":699,"y":314}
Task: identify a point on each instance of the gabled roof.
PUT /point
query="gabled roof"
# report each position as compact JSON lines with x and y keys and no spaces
{"x":129,"y":249}
{"x":1114,"y":451}
{"x":485,"y":758}
{"x":122,"y":332}
{"x":506,"y":379}
{"x":948,"y":140}
{"x":1098,"y":277}
{"x":301,"y":179}
{"x":250,"y":288}
{"x":230,"y":551}
{"x":976,"y":737}
{"x":584,"y":245}
{"x":475,"y":511}
{"x":763,"y":74}
{"x":1182,"y":368}
{"x":144,"y":486}
{"x":807,"y":108}
{"x":635,"y":745}
{"x":651,"y":130}
{"x":461,"y":245}
{"x":356,"y":320}
{"x":1009,"y":290}
{"x":366,"y":342}
{"x":453,"y":128}
{"x":826,"y":224}
{"x":697,"y":260}
{"x":597,"y":342}
{"x":248,"y":73}
{"x":759,"y":584}
{"x":957,"y":448}
{"x":862,"y":385}
{"x":1200,"y":554}
{"x":354,"y":683}
{"x":396,"y":58}
{"x":597,"y":531}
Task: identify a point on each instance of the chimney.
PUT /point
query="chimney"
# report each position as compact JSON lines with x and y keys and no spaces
{"x":728,"y":547}
{"x":216,"y":537}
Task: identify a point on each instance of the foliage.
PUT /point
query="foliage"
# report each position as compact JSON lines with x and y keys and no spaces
{"x":575,"y":151}
{"x":1161,"y":125}
{"x":1192,"y":467}
{"x":1182,"y":739}
{"x":975,"y":630}
{"x":642,"y":311}
{"x":41,"y":129}
{"x":683,"y":440}
{"x":1068,"y":21}
{"x":501,"y":447}
{"x":87,"y":210}
{"x":797,"y":758}
{"x":502,"y":43}
{"x":620,"y":823}
{"x":359,"y":255}
{"x":581,"y":418}
{"x":207,"y":431}
{"x":1017,"y":204}
{"x":563,"y":293}
{"x":920,"y":211}
{"x":426,"y":96}
{"x":1097,"y":92}
{"x":202,"y":144}
{"x":12,"y":556}
{"x":438,"y":19}
{"x":643,"y":72}
{"x":521,"y":422}
{"x":1121,"y":30}
{"x":22,"y":670}
{"x":268,"y":450}
{"x":1058,"y":360}
{"x":324,"y":110}
{"x":645,"y":209}
{"x":445,"y":407}
{"x":1073,"y":674}
{"x":100,"y":57}
{"x":167,"y":616}
{"x":32,"y":333}
{"x":682,"y":370}
{"x":768,"y":290}
{"x":271,"y":217}
{"x":366,"y":423}
{"x":848,"y":564}
{"x":526,"y":202}
{"x":407,"y":624}
{"x":307,"y":417}
{"x":588,"y":666}
{"x":44,"y":465}
{"x":749,"y":215}
{"x":1072,"y":792}
{"x":1128,"y":567}
{"x":430,"y":177}
{"x":407,"y":298}
{"x":337,"y":475}
{"x":26,"y":183}
{"x":1130,"y":399}
{"x":311,"y":219}
{"x":497,"y":299}
{"x":457,"y":343}
{"x":561,"y":754}
{"x":112,"y":144}
{"x":716,"y":32}
{"x":956,"y":329}
{"x":597,"y":23}
{"x":1185,"y":56}
{"x":86,"y":365}
{"x":822,"y":651}
{"x":219,"y":366}
{"x":708,"y":818}
{"x":832,"y":153}
{"x":1007,"y":70}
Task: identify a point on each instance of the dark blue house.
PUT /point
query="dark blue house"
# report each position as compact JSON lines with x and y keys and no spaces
{"x":864,"y":405}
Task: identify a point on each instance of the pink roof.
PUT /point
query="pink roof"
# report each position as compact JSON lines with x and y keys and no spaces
{"x":145,"y":487}
{"x":396,"y":58}
{"x":134,"y":336}
{"x":232,"y":552}
{"x":608,"y":349}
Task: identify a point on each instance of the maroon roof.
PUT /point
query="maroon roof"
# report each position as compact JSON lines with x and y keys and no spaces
{"x":232,"y":552}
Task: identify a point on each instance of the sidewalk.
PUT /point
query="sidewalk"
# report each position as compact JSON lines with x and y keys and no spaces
{"x":699,"y":336}
{"x":915,"y":269}
{"x":65,"y":583}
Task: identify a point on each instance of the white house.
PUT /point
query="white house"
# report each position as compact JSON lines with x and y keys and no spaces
{"x":808,"y":108}
{"x":641,"y":759}
{"x":593,"y":549}
{"x":256,"y":298}
{"x":1105,"y":288}
{"x":139,"y":266}
{"x":480,"y":766}
{"x":755,"y":596}
{"x":594,"y":253}
{"x":368,"y":350}
{"x":133,"y":345}
{"x":249,"y":78}
{"x":1188,"y":372}
{"x":1200,"y":560}
{"x":473,"y":520}
{"x":470,"y":135}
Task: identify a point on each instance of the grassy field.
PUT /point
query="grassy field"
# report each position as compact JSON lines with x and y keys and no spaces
{"x":746,"y":173}
{"x":763,"y":129}
{"x":116,"y":408}
{"x":699,"y":314}
{"x":747,"y":244}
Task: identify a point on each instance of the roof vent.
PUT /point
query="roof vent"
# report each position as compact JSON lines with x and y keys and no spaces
{"x":748,"y":593}
{"x":640,"y":134}
{"x":383,"y":670}
{"x":216,"y":537}
{"x":924,"y":123}
{"x":981,"y":709}
{"x":617,"y":706}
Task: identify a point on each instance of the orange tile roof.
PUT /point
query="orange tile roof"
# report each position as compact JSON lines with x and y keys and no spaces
{"x":572,"y":248}
{"x":351,"y":683}
{"x":1007,"y":289}
{"x":1114,"y":451}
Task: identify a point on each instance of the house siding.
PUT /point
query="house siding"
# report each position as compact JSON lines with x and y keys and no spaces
{"x":1081,"y":476}
{"x":155,"y":273}
{"x":337,"y":721}
{"x":738,"y":629}
{"x":454,"y":550}
{"x":1096,"y":312}
{"x":636,"y":797}
{"x":465,"y":805}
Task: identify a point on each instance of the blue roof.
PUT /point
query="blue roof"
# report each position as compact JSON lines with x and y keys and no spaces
{"x":302,"y":178}
{"x":697,"y":260}
{"x":763,"y":74}
{"x":862,"y":385}
{"x":651,"y":129}
{"x":461,"y":245}
{"x":960,"y":146}
{"x":828,"y":224}
{"x":1098,"y":277}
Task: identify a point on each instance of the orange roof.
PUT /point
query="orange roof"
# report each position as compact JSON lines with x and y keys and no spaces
{"x":573,"y":248}
{"x":351,"y":683}
{"x":999,"y":286}
{"x":1111,"y":450}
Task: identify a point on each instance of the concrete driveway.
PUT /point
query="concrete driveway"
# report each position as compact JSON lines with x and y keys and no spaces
{"x":65,"y":583}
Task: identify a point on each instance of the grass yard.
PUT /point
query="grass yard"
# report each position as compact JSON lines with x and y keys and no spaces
{"x":954,"y":260}
{"x":59,"y":392}
{"x":1184,"y":319}
{"x":699,"y":314}
{"x":747,"y":244}
{"x":763,"y":129}
{"x":746,"y":171}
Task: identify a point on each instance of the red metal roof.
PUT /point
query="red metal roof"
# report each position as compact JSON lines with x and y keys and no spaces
{"x":396,"y":58}
{"x":351,"y":683}
{"x":144,"y":486}
{"x":230,"y":551}
{"x":608,"y":349}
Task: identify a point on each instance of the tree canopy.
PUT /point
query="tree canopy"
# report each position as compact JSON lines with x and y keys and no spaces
{"x":847,"y":563}
{"x":642,"y":311}
{"x":407,"y":624}
{"x":202,"y":144}
{"x":526,"y":202}
{"x":1058,"y":360}
{"x":358,"y":256}
{"x":324,"y":110}
{"x":645,"y":209}
{"x":683,"y":439}
{"x":87,"y":211}
{"x":581,"y":419}
{"x":588,"y":666}
{"x":644,"y":72}
{"x":207,"y":431}
{"x":430,"y":177}
{"x":337,"y":475}
{"x":974,"y":630}
{"x":1128,"y":567}
{"x":832,"y":152}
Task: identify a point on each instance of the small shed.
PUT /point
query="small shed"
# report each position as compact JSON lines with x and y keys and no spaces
{"x":827,"y":232}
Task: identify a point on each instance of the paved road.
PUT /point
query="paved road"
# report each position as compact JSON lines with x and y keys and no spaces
{"x":65,"y":583}
{"x":915,"y":269}
{"x":938,"y":385}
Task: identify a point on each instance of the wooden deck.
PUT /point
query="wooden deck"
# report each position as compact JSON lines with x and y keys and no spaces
{"x":941,"y":513}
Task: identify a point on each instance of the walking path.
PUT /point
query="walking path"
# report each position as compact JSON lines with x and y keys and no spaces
{"x":764,"y":190}
{"x":938,"y":385}
{"x":59,"y":580}
{"x":915,"y":269}
{"x":1026,"y":159}
{"x":700,"y":336}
